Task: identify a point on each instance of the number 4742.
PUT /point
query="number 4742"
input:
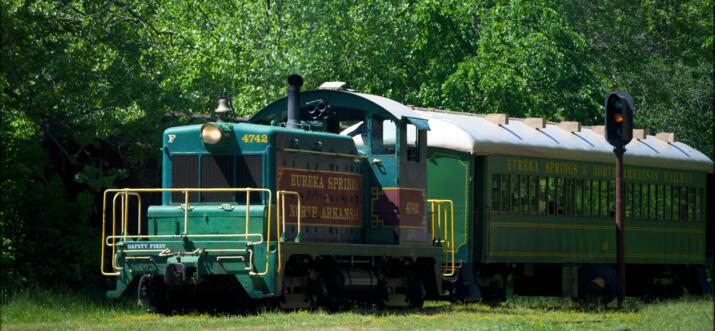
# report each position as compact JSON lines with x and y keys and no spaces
{"x":254,"y":138}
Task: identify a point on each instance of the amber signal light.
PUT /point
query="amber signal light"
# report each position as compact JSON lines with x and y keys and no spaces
{"x":618,"y":118}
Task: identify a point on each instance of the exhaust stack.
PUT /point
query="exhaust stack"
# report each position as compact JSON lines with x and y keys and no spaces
{"x":294,"y":84}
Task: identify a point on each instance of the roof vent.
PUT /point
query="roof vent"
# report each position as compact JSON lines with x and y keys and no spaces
{"x":535,"y":122}
{"x":668,"y":137}
{"x":499,"y":118}
{"x":599,"y":129}
{"x":639,"y":134}
{"x":337,"y":86}
{"x":570,"y":126}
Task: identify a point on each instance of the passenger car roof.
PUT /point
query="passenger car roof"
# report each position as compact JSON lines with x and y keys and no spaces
{"x":475,"y":134}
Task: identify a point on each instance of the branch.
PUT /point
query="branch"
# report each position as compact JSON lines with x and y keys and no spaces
{"x":59,"y":145}
{"x":141,"y":20}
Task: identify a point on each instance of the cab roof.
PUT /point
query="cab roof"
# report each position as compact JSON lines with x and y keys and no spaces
{"x":347,"y":103}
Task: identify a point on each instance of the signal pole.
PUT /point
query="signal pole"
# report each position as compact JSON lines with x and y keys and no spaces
{"x":620,"y":211}
{"x":619,"y":132}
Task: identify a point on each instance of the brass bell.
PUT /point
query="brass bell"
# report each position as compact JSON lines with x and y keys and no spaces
{"x":222,"y":106}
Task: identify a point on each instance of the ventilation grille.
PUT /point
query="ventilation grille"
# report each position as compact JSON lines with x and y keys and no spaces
{"x":185,"y":169}
{"x":249,"y":173}
{"x":217,"y":171}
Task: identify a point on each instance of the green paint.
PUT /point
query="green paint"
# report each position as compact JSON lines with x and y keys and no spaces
{"x":449,"y":177}
{"x":575,"y":237}
{"x":587,"y":170}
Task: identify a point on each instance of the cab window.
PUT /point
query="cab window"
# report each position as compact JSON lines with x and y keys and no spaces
{"x":383,"y":136}
{"x":413,"y":143}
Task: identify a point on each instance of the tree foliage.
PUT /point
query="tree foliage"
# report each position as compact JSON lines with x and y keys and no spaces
{"x":529,"y":62}
{"x":87,"y":86}
{"x":660,"y":52}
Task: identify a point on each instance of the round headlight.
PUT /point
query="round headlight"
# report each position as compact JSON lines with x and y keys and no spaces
{"x":210,"y":134}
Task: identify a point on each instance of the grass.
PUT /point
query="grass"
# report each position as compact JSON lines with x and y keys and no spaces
{"x":41,"y":310}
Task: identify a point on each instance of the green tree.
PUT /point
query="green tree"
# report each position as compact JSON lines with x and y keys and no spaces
{"x":661,"y":53}
{"x":86,"y":87}
{"x":80,"y":85}
{"x":529,"y":62}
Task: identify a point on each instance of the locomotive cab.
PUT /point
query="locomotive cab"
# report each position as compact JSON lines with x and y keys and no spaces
{"x":391,"y":142}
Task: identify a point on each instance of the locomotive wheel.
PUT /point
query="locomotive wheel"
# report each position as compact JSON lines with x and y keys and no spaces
{"x":294,"y":294}
{"x":318,"y":293}
{"x":493,"y":294}
{"x":598,"y":285}
{"x":153,"y":293}
{"x":415,"y":293}
{"x":657,"y":291}
{"x":695,"y":281}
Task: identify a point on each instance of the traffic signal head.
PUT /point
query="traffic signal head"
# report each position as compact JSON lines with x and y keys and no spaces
{"x":619,"y":118}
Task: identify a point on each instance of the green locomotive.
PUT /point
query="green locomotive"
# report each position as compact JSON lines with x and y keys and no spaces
{"x":283,"y":209}
{"x":331,"y":197}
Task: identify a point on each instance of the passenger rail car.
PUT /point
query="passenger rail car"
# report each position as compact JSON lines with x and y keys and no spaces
{"x":331,"y":197}
{"x":535,"y":201}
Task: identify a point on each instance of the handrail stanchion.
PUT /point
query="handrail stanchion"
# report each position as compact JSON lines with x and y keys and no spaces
{"x":446,"y":226}
{"x":280,"y":207}
{"x":432,"y":212}
{"x":139,"y":213}
{"x":104,"y":223}
{"x":121,"y":210}
{"x":268,"y":237}
{"x":451,"y":206}
{"x":278,"y":245}
{"x":298,"y":237}
{"x":439,"y":221}
{"x":280,"y":212}
{"x":446,"y":229}
{"x":114,"y":230}
{"x":114,"y":216}
{"x":186,"y":212}
{"x":248,"y":210}
{"x":125,"y":213}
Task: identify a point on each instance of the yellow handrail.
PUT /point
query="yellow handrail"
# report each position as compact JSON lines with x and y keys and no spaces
{"x":281,"y":219}
{"x":126,"y":192}
{"x":280,"y":210}
{"x":448,"y":228}
{"x":181,"y":236}
{"x":125,"y":203}
{"x":104,"y":213}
